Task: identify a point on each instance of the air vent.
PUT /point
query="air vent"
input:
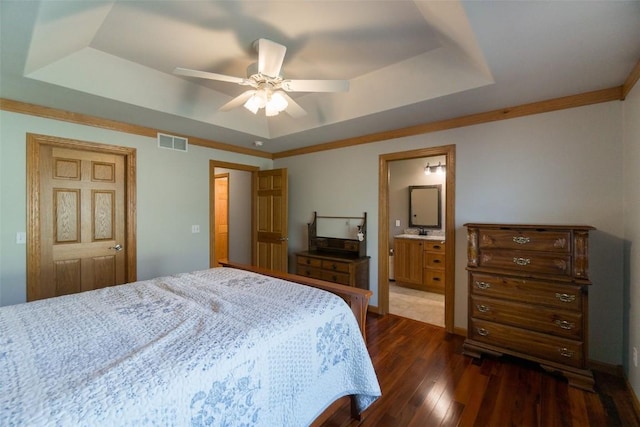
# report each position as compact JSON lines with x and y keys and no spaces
{"x":172,"y":142}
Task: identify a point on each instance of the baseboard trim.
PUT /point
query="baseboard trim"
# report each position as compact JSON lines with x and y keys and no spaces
{"x":607,"y":368}
{"x":634,"y":396}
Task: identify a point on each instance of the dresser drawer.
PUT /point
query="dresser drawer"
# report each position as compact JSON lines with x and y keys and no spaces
{"x":530,"y":240}
{"x":434,"y":260}
{"x":559,"y":295}
{"x":532,"y":262}
{"x":549,"y":320}
{"x":307,"y":271}
{"x":434,"y":245}
{"x":434,"y":280}
{"x":308,"y":261}
{"x":335,"y":266}
{"x":543,"y":346}
{"x":336,"y":277}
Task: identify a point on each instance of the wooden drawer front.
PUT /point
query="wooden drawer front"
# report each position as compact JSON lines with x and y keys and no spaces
{"x":533,"y":262}
{"x":556,"y":349}
{"x":335,"y":266}
{"x":535,"y":317}
{"x":529,"y":240}
{"x":434,"y":279}
{"x":336,"y":277}
{"x":307,"y":271}
{"x":434,"y":260}
{"x":434,"y":246}
{"x":311,"y":262}
{"x":563,"y":296}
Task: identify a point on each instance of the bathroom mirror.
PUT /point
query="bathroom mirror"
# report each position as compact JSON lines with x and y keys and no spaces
{"x":424,"y":206}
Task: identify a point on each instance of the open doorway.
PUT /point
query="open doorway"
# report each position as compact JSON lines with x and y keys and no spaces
{"x":384,"y":235}
{"x":417,"y":221}
{"x":230,"y":212}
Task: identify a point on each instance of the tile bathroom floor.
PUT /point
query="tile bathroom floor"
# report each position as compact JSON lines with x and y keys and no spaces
{"x":418,"y":305}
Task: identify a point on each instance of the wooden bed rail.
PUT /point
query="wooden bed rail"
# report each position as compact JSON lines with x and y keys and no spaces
{"x":357,"y":298}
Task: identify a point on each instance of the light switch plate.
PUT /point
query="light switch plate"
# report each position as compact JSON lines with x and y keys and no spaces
{"x":21,"y":238}
{"x":397,"y":223}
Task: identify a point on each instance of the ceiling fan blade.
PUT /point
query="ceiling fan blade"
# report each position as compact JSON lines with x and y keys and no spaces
{"x":270,"y":57}
{"x":237,"y":101}
{"x":210,"y":76}
{"x":293,"y":108}
{"x":316,"y":85}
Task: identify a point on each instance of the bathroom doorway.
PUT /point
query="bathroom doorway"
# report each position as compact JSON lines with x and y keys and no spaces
{"x":386,"y":225}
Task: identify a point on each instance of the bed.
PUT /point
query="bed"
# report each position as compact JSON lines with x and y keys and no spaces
{"x":221,"y":347}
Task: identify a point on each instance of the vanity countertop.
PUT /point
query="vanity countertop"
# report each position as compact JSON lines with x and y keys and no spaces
{"x":419,"y":237}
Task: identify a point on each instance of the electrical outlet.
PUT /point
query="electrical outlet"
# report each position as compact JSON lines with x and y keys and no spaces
{"x":635,"y":357}
{"x":195,"y":228}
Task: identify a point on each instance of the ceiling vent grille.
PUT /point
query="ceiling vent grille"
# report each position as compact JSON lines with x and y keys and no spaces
{"x":172,"y":142}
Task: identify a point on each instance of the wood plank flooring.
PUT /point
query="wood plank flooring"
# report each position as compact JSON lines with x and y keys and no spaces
{"x":426,"y":381}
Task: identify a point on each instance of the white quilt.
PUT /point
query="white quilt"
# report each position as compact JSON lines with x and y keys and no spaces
{"x":219,"y":347}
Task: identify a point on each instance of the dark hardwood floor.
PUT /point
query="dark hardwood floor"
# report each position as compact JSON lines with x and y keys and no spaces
{"x":426,"y":381}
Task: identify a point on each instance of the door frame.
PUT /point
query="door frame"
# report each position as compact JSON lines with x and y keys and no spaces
{"x":450,"y":229}
{"x":34,"y":142}
{"x":213,"y":164}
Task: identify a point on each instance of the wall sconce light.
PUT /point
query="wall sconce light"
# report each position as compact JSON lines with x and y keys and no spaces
{"x":439,"y":170}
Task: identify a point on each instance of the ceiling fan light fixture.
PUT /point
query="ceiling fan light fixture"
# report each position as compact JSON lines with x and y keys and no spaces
{"x":270,"y":111}
{"x":278,"y":101}
{"x":253,"y":104}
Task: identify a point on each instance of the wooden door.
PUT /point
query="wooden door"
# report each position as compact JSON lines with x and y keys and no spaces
{"x":271,"y":247}
{"x":221,"y":220}
{"x":78,"y":215}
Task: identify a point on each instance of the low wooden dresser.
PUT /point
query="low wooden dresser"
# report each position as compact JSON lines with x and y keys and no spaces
{"x":338,"y":268}
{"x":340,"y":260}
{"x":528,"y":296}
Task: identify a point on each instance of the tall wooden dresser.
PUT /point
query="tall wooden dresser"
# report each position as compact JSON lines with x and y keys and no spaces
{"x":528,"y":296}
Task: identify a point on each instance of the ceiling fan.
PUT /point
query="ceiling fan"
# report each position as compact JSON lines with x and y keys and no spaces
{"x":268,"y":86}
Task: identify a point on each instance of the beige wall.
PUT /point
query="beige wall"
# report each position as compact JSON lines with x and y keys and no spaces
{"x":172,"y":195}
{"x":631,"y":291}
{"x":560,"y":167}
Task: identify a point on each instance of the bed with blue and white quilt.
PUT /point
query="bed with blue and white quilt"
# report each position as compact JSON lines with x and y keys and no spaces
{"x":218,"y":347}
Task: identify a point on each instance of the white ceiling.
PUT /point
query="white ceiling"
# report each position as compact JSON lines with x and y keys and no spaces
{"x":408,"y":62}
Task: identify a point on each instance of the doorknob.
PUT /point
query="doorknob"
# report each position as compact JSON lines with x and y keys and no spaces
{"x":118,"y":247}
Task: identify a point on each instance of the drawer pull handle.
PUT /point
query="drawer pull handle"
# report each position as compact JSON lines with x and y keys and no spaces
{"x":334,"y":266}
{"x":482,"y":331}
{"x":436,"y":279}
{"x":564,"y":324}
{"x":521,"y":261}
{"x":308,"y":261}
{"x":436,"y":261}
{"x":565,"y":352}
{"x":521,"y":240}
{"x":483,"y":285}
{"x":483,"y":308}
{"x":566,"y":297}
{"x":436,"y":246}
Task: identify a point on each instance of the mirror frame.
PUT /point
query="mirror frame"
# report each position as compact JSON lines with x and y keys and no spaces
{"x":437,"y":187}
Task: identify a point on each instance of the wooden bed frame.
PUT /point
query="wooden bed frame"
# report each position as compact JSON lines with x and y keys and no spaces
{"x":358,"y":300}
